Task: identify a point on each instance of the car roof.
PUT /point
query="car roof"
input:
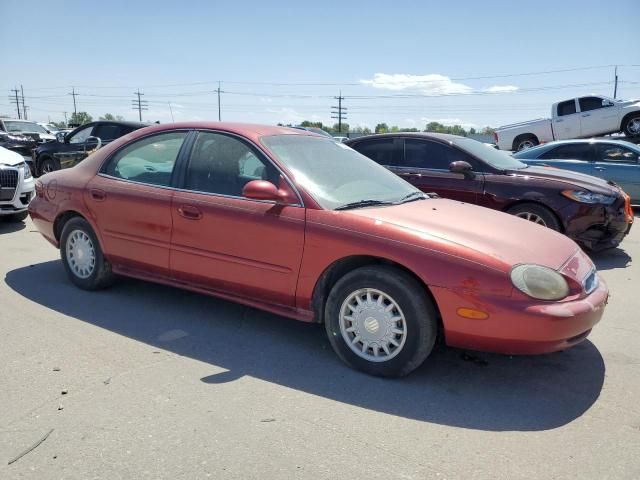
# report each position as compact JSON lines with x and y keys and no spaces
{"x":249,"y":130}
{"x":443,"y":137}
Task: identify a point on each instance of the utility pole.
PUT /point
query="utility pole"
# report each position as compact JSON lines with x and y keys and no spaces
{"x":15,"y":100}
{"x":339,"y":112}
{"x":73,"y":92}
{"x":171,"y":111}
{"x":24,"y":109}
{"x":219,"y":110}
{"x":139,"y":104}
{"x":615,"y":83}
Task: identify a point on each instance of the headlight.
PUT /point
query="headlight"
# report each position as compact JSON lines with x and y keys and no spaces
{"x":584,"y":196}
{"x":27,"y":171}
{"x":539,"y":282}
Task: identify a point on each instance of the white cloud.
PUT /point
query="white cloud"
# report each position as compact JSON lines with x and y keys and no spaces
{"x":432,"y":84}
{"x":502,"y":89}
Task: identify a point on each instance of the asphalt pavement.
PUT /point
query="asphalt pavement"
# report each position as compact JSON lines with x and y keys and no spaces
{"x":143,"y":381}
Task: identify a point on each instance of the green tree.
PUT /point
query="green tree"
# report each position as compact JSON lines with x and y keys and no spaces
{"x":59,"y":124}
{"x":382,"y":128}
{"x":472,"y":131}
{"x":334,"y":129}
{"x":488,"y":131}
{"x":80,"y":118}
{"x":110,"y":117}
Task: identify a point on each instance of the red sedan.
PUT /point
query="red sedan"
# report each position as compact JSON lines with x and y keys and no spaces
{"x":293,"y":223}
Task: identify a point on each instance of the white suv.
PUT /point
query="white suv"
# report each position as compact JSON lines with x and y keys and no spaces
{"x":17,"y":186}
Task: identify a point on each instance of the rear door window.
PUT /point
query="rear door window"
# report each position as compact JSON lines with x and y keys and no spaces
{"x":571,"y":151}
{"x":107,"y":132}
{"x":616,"y":154}
{"x":566,"y":108}
{"x":150,"y":160}
{"x":381,"y":150}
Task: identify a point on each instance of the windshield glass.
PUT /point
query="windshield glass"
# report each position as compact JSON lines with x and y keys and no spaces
{"x":495,"y":158}
{"x":24,"y":127}
{"x":334,"y":174}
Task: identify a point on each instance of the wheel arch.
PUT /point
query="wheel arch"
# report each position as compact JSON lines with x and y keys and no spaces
{"x":344,"y":265}
{"x":521,"y":137}
{"x":540,"y":204}
{"x":627,"y":117}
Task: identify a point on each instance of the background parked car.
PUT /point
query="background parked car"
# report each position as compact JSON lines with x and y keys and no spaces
{"x":613,"y":160}
{"x":575,"y":118}
{"x":21,"y":144}
{"x":74,"y":146}
{"x":587,"y":209}
{"x":16,"y":186}
{"x":27,"y":128}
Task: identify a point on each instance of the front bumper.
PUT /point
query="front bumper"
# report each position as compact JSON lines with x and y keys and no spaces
{"x":599,"y":227}
{"x":15,"y":195}
{"x":519,"y":326}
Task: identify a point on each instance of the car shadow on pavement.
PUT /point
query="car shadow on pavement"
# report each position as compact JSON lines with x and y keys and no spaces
{"x":610,"y":259}
{"x":453,"y":387}
{"x":10,"y":227}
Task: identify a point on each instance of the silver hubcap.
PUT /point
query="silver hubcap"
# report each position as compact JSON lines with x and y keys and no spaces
{"x":634,"y":126}
{"x":526,"y":144}
{"x":373,"y":325}
{"x":81,"y":255}
{"x":532,"y":217}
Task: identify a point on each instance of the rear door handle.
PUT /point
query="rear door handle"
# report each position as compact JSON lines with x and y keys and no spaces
{"x":98,"y":195}
{"x":190,"y":212}
{"x":586,"y":115}
{"x":600,"y":169}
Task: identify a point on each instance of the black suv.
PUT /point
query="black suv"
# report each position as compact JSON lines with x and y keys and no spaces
{"x":73,"y":147}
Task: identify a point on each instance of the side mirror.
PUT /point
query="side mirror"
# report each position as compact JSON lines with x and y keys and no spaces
{"x":60,"y":137}
{"x":92,"y":143}
{"x":462,"y":167}
{"x":606,"y":103}
{"x":261,"y":190}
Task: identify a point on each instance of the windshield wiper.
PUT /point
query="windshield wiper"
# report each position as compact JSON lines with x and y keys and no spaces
{"x":413,"y":196}
{"x":362,"y":203}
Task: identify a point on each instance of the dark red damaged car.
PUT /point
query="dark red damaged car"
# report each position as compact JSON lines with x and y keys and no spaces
{"x":595,"y":213}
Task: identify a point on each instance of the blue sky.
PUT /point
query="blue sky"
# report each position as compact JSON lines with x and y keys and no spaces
{"x":402,"y":62}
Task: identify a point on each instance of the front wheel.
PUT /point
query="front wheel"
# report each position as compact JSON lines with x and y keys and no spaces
{"x":380,"y":320}
{"x":537,"y":214}
{"x":526,"y":142}
{"x":48,"y":164}
{"x":632,"y":126}
{"x":82,"y":256}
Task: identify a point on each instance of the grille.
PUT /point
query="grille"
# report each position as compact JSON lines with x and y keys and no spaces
{"x":8,"y":183}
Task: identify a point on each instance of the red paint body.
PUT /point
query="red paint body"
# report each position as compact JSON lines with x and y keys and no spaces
{"x":273,"y":256}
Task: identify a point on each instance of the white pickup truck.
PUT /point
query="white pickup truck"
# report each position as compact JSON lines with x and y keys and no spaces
{"x":576,"y":118}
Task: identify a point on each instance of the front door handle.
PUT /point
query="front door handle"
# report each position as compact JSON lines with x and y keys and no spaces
{"x":190,"y":212}
{"x":98,"y":195}
{"x":586,"y":115}
{"x":600,"y":169}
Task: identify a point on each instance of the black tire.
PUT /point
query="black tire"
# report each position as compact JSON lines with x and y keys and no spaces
{"x":419,"y":315}
{"x":100,"y":275}
{"x":629,"y":127}
{"x":527,"y":141}
{"x":17,"y":217}
{"x":47,"y":164}
{"x":542,"y":213}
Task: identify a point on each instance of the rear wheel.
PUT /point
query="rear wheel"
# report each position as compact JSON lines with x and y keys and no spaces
{"x":82,"y":256}
{"x":525,"y":142}
{"x":537,"y":214}
{"x":48,"y":164}
{"x":380,"y":320}
{"x":632,"y":126}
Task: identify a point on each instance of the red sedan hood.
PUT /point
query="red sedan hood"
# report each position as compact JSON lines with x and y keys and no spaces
{"x":494,"y":234}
